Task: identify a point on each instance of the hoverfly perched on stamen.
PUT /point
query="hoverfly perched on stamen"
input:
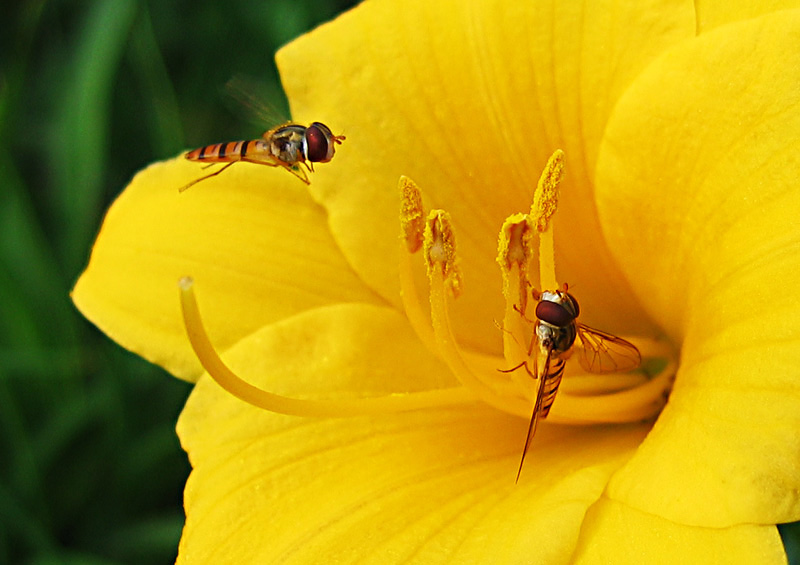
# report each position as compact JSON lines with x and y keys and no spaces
{"x":556,"y":331}
{"x":289,"y":146}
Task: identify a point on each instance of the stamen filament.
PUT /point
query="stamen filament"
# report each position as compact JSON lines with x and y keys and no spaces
{"x":632,"y":405}
{"x":655,"y":348}
{"x":581,"y":384}
{"x":419,"y":320}
{"x":485,"y":367}
{"x":516,"y":339}
{"x":547,"y":261}
{"x":259,"y":398}
{"x":412,"y":223}
{"x":545,"y":204}
{"x":441,"y":259}
{"x":451,"y":355}
{"x":414,"y":226}
{"x":513,"y":256}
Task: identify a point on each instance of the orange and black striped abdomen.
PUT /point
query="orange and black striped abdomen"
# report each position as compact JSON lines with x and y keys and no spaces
{"x":552,"y":380}
{"x":228,"y":152}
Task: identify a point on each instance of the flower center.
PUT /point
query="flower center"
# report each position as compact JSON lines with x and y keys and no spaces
{"x":513,"y":383}
{"x":527,"y":340}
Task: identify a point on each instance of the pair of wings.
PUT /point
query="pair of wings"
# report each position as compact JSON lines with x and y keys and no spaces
{"x":597,"y":351}
{"x":600,"y":352}
{"x":249,"y":96}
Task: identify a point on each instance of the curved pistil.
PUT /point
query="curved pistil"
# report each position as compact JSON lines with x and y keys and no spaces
{"x":241,"y":389}
{"x":583,"y":400}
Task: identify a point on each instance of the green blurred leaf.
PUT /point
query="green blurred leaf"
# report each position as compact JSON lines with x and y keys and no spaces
{"x":22,"y":524}
{"x":150,"y":538}
{"x":790,"y":533}
{"x":32,"y":298}
{"x":66,"y":557}
{"x":80,"y":147}
{"x":164,"y":120}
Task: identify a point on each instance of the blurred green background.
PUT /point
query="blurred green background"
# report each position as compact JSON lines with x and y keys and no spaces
{"x":91,"y":471}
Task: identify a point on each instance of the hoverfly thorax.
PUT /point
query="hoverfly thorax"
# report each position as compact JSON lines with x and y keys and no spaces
{"x":287,"y":143}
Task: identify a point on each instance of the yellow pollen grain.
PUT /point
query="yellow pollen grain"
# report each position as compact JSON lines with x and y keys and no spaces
{"x":514,"y":243}
{"x":412,"y":215}
{"x":514,"y":247}
{"x":545,"y":199}
{"x":440,"y":248}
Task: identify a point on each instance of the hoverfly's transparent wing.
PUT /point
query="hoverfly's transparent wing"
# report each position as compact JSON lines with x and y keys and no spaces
{"x":601,"y":352}
{"x":537,"y":407}
{"x":249,"y":98}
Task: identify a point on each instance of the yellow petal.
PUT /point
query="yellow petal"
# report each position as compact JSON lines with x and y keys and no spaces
{"x":697,"y":187}
{"x":435,"y":486}
{"x":470,"y":99}
{"x":616,"y":533}
{"x":253,"y":240}
{"x":713,"y":13}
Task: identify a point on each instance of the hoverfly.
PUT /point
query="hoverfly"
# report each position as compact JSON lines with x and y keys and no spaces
{"x":289,"y":146}
{"x":556,"y":330}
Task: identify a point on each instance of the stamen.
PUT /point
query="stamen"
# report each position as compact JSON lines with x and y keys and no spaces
{"x":583,"y":399}
{"x":450,"y":353}
{"x":412,"y":215}
{"x":412,"y":222}
{"x":633,"y":405}
{"x":259,"y":398}
{"x":581,"y":384}
{"x":440,"y":249}
{"x":629,"y":398}
{"x":514,"y":252}
{"x":411,"y":212}
{"x":440,"y":255}
{"x":545,"y":199}
{"x":513,"y":256}
{"x":545,"y":203}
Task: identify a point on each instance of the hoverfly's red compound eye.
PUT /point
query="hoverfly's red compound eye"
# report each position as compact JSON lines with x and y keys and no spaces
{"x":554,"y":313}
{"x":320,"y":143}
{"x":574,"y":303}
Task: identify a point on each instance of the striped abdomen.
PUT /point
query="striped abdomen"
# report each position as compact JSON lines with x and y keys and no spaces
{"x":552,"y":380}
{"x":231,"y":151}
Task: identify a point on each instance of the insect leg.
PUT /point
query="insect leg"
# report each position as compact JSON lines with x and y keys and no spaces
{"x":215,"y":173}
{"x":297,"y":171}
{"x":521,"y":365}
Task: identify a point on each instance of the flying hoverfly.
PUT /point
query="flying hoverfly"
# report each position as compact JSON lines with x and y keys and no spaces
{"x":556,"y":330}
{"x":289,"y":146}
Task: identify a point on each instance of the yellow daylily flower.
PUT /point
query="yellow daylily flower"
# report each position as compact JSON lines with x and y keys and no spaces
{"x":675,"y":225}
